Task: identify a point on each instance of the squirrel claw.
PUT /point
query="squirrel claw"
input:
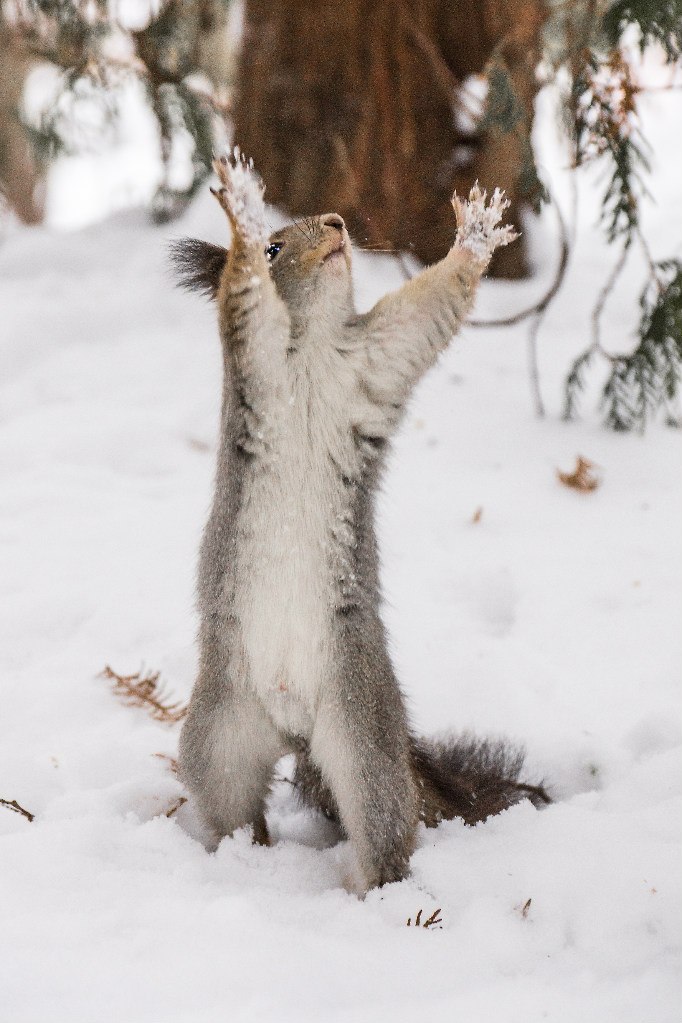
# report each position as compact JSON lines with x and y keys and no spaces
{"x":477,"y":222}
{"x":241,"y":196}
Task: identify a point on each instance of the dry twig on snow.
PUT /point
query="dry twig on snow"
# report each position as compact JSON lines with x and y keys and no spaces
{"x":144,"y":690}
{"x":433,"y":921}
{"x":12,"y":804}
{"x":174,"y":807}
{"x":171,"y":762}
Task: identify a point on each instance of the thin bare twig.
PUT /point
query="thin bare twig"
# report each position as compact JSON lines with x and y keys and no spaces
{"x":12,"y":804}
{"x":537,"y":312}
{"x":533,"y":366}
{"x":174,"y":807}
{"x":606,"y":290}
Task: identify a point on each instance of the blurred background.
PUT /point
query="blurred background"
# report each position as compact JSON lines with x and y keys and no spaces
{"x":377,"y":109}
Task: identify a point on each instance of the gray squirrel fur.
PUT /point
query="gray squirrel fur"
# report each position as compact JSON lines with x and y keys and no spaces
{"x":292,"y":649}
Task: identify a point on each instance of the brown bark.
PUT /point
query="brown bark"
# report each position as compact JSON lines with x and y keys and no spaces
{"x":21,"y":175}
{"x":349,"y":106}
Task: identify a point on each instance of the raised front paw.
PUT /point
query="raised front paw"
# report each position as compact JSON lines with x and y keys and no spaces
{"x":477,"y":224}
{"x":241,"y":196}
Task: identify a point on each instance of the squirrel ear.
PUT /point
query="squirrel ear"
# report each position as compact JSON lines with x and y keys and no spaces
{"x":197,"y":265}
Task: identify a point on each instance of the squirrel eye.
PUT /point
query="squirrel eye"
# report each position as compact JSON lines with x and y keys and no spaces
{"x":273,"y":249}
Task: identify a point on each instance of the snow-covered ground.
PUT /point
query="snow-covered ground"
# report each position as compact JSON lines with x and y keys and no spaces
{"x":554,"y":619}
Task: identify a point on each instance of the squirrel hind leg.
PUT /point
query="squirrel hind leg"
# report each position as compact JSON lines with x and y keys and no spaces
{"x":228,"y":751}
{"x":360,"y":747}
{"x":311,"y":788}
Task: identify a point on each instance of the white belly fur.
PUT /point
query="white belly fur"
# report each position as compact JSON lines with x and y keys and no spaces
{"x":288,"y":559}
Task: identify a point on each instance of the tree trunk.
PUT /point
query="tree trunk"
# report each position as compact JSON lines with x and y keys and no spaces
{"x":351,"y":106}
{"x":21,"y":176}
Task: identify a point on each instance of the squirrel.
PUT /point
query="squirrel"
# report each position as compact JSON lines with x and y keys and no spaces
{"x":293,"y":652}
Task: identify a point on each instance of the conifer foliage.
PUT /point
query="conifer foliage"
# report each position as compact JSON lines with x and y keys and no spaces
{"x":605,"y":126}
{"x":97,"y":54}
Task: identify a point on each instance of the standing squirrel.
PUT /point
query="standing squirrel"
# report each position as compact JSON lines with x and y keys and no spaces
{"x":293,"y":654}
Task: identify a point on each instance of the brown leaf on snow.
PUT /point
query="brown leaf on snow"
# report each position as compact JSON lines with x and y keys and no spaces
{"x":582,"y":478}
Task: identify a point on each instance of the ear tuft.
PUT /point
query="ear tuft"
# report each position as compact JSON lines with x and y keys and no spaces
{"x":197,"y":265}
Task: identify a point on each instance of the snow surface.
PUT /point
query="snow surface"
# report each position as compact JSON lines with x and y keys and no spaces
{"x":554,"y":619}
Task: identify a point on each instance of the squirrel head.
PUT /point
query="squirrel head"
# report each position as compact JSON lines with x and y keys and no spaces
{"x":310,"y":265}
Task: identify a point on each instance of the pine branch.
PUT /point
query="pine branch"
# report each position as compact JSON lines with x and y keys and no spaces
{"x":606,"y":126}
{"x":648,"y":378}
{"x":658,"y":21}
{"x":575,"y":379}
{"x":180,"y":109}
{"x":72,"y":36}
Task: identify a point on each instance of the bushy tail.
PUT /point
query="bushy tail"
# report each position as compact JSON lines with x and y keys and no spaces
{"x":197,"y":265}
{"x":470,"y":778}
{"x":461,"y":777}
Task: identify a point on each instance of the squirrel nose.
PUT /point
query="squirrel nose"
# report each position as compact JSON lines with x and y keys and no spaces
{"x":333,"y":220}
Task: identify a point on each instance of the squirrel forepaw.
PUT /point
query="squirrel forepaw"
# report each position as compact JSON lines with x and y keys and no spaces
{"x":241,"y":196}
{"x":477,"y":224}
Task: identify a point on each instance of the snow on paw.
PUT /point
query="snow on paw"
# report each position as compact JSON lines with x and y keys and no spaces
{"x":477,"y":223}
{"x":241,"y":196}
